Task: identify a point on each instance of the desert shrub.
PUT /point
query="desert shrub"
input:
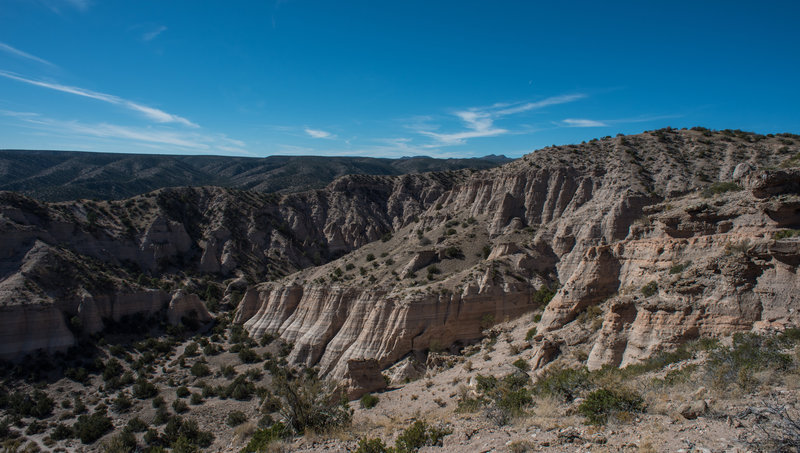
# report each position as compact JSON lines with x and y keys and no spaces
{"x":386,"y":237}
{"x":61,"y":432}
{"x":89,"y":428}
{"x":372,"y":446}
{"x":749,"y":354}
{"x":419,"y":434}
{"x":720,"y":187}
{"x":236,"y":418}
{"x":454,"y":252}
{"x":658,"y":361}
{"x":783,"y":234}
{"x":200,"y":369}
{"x":19,"y":404}
{"x":123,"y":442}
{"x":502,"y":398}
{"x":368,"y":401}
{"x":121,"y":403}
{"x":565,"y":384}
{"x":521,"y":446}
{"x":678,"y":268}
{"x":239,"y":335}
{"x":591,"y":314}
{"x":267,"y":338}
{"x":136,"y":425}
{"x":544,"y":295}
{"x":600,"y":404}
{"x":227,"y":370}
{"x":36,"y":427}
{"x":370,"y":257}
{"x":182,"y":392}
{"x":113,"y":369}
{"x":247,"y":355}
{"x":180,"y":406}
{"x":184,"y":435}
{"x":240,"y":389}
{"x":306,"y":401}
{"x":196,"y":399}
{"x":162,"y":416}
{"x":79,"y":374}
{"x":522,"y":365}
{"x":530,"y":334}
{"x":263,"y":437}
{"x":143,"y":389}
{"x":650,"y":289}
{"x":192,"y":349}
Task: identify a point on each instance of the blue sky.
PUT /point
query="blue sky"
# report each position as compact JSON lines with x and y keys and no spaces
{"x":387,"y":79}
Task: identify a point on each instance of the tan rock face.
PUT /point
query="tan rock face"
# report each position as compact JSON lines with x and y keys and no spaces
{"x":183,"y":305}
{"x":331,"y":325}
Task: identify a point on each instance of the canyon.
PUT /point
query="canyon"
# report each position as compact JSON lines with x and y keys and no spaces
{"x":664,"y":237}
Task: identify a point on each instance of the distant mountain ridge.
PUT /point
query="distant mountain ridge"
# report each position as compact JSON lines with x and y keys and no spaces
{"x":69,"y":175}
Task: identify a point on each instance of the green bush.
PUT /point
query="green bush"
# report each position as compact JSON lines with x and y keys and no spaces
{"x":123,"y":442}
{"x":563,"y":383}
{"x":369,"y":401}
{"x":544,"y":295}
{"x":143,"y":389}
{"x":182,"y":392}
{"x":720,"y":187}
{"x":650,"y":289}
{"x":121,"y":403}
{"x":236,"y":418}
{"x":20,"y":404}
{"x":89,"y":428}
{"x":263,"y":437}
{"x":531,"y":333}
{"x":180,"y":406}
{"x":522,"y":365}
{"x":678,"y":268}
{"x":602,"y":403}
{"x":306,"y":401}
{"x":454,"y":252}
{"x":200,"y":369}
{"x":184,"y":435}
{"x":749,"y":354}
{"x":372,"y":446}
{"x":136,"y":425}
{"x":783,"y":234}
{"x":227,"y":370}
{"x":419,"y":434}
{"x":61,"y":432}
{"x":247,"y":355}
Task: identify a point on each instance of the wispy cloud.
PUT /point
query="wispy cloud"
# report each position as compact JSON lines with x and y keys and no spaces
{"x":14,"y":51}
{"x":151,"y":35}
{"x":164,"y":138}
{"x":317,"y":133}
{"x":152,"y":113}
{"x":574,"y":122}
{"x":583,"y":122}
{"x":57,"y":6}
{"x":479,"y":121}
